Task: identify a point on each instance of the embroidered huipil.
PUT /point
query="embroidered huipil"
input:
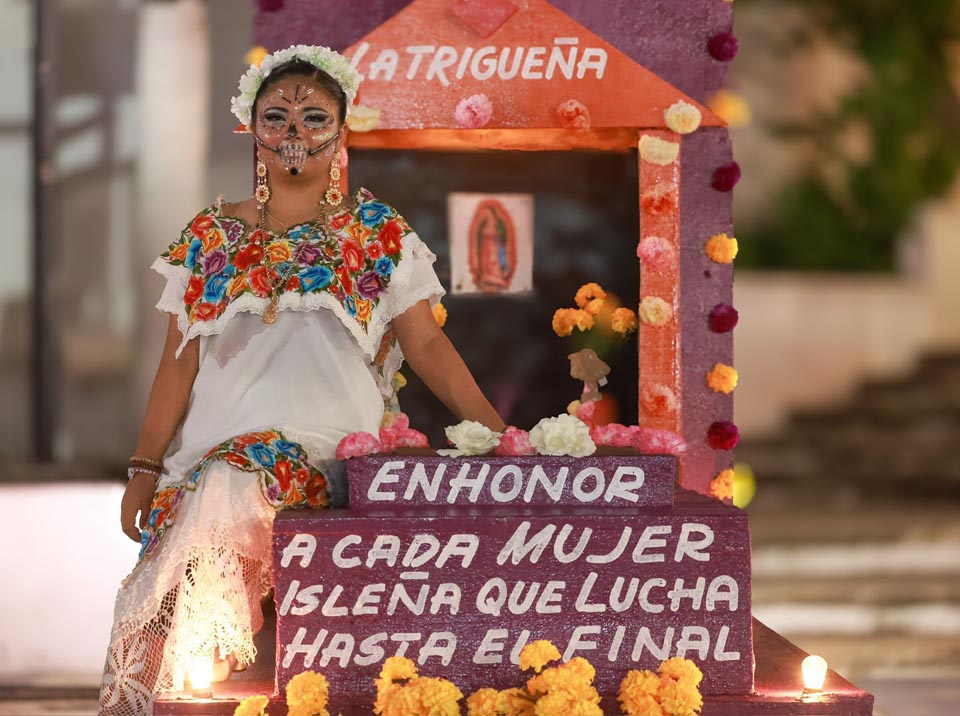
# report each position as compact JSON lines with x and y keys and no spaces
{"x":269,"y":405}
{"x":322,"y":369}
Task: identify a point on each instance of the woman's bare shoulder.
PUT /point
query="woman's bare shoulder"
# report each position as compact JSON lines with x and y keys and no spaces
{"x":246,"y":210}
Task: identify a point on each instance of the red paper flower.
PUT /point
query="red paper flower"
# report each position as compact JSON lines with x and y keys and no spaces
{"x":723,"y":318}
{"x":723,"y":46}
{"x":723,"y":435}
{"x":725,"y":177}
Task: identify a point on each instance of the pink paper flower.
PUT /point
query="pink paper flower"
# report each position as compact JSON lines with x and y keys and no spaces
{"x":514,"y":441}
{"x":573,"y":115}
{"x":656,"y":254}
{"x":723,"y":318}
{"x":587,"y":411}
{"x":357,"y":444}
{"x":723,"y":46}
{"x":725,"y":177}
{"x":614,"y":435}
{"x":474,"y":111}
{"x":659,"y":442}
{"x":400,"y":434}
{"x":657,"y":400}
{"x":658,"y":200}
{"x":723,"y":435}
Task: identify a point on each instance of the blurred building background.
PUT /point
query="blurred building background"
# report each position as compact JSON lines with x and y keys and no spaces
{"x":846,"y":121}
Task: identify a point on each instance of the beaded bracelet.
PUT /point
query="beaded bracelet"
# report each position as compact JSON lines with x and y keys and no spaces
{"x":133,"y":470}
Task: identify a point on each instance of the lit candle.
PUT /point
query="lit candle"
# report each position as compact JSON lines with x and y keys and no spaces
{"x":200,"y":674}
{"x":814,"y":672}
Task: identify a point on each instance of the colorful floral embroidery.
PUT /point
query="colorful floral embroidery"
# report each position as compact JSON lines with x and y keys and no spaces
{"x":352,"y":258}
{"x":287,"y":480}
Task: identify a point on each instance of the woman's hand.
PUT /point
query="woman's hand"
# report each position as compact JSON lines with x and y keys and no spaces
{"x":136,"y":498}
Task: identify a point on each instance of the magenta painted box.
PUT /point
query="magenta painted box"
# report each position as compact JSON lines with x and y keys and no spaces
{"x":459,"y":588}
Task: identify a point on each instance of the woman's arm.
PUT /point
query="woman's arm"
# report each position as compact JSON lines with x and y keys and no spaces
{"x":166,"y":408}
{"x":432,"y":357}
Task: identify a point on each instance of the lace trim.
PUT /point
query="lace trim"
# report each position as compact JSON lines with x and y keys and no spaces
{"x":368,"y":340}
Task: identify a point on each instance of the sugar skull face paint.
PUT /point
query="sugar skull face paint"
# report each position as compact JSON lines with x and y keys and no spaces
{"x":297,"y":120}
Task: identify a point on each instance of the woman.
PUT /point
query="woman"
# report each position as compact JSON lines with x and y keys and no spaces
{"x":280,"y":307}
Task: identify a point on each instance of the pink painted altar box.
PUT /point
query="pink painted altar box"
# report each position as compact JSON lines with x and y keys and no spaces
{"x":427,"y":481}
{"x":460,"y":589}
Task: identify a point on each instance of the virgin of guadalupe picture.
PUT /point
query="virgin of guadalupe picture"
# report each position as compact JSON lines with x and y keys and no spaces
{"x":491,"y":243}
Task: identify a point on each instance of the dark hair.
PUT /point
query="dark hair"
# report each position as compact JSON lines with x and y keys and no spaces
{"x":300,"y":68}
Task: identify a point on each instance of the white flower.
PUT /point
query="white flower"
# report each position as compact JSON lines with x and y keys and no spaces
{"x":682,"y":117}
{"x":562,"y":435}
{"x":658,"y":151}
{"x":323,"y":58}
{"x":470,"y":438}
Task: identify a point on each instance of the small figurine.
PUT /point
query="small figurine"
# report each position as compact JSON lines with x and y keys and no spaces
{"x":586,"y":365}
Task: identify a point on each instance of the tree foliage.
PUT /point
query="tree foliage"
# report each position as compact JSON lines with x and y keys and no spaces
{"x":912,"y":116}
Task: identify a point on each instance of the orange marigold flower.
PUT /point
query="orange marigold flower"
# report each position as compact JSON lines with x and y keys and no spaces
{"x":680,"y":669}
{"x":397,"y":668}
{"x":483,"y":702}
{"x":515,"y":702}
{"x":722,"y":378}
{"x":584,"y":320}
{"x":721,"y":486}
{"x":624,"y":321}
{"x":252,"y":706}
{"x":679,"y":698}
{"x":588,"y":293}
{"x":308,"y":690}
{"x":538,"y":654}
{"x":638,"y":694}
{"x":564,"y":320}
{"x":722,"y":248}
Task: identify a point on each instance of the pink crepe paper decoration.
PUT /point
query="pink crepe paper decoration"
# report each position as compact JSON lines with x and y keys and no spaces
{"x":357,"y":444}
{"x":514,"y":441}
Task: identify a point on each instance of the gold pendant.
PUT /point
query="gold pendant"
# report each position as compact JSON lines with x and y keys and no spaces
{"x":270,"y":315}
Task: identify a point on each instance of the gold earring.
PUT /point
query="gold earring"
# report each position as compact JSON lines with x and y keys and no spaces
{"x":262,"y":193}
{"x":333,"y":196}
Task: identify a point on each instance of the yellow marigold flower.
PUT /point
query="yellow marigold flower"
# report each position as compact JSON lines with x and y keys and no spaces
{"x":252,"y":706}
{"x":658,"y":151}
{"x":731,"y":107}
{"x":722,"y":378}
{"x":564,"y":320}
{"x":397,"y":668}
{"x":363,"y":118}
{"x":590,"y":296}
{"x":721,"y":486}
{"x":538,"y":654}
{"x":425,"y":696}
{"x":515,"y":702}
{"x":386,"y":692}
{"x":624,"y":321}
{"x":568,"y":703}
{"x":579,"y":670}
{"x":573,"y":408}
{"x":654,"y":311}
{"x":483,"y":702}
{"x":722,"y":248}
{"x":638,"y":691}
{"x":584,"y":321}
{"x":679,"y":698}
{"x":682,"y":117}
{"x":308,"y":689}
{"x":680,"y":669}
{"x":440,"y":314}
{"x":255,"y":55}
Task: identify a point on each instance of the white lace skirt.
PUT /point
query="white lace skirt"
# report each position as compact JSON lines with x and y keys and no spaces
{"x":199,"y":591}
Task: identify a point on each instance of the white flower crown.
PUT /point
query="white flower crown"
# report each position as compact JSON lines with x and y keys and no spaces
{"x":323,"y":58}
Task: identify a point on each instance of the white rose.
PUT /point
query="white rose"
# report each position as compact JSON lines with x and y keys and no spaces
{"x":562,"y":435}
{"x":470,"y":438}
